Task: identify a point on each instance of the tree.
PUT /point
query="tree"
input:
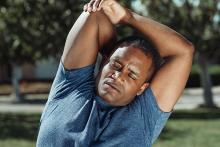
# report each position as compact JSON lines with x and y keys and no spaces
{"x":31,"y":30}
{"x":199,"y":21}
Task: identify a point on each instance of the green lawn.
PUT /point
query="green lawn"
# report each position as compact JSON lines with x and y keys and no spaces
{"x":213,"y":69}
{"x":190,"y":133}
{"x":17,"y":143}
{"x":178,"y":133}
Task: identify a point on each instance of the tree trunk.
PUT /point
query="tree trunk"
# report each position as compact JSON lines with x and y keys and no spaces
{"x":16,"y":76}
{"x":206,"y":82}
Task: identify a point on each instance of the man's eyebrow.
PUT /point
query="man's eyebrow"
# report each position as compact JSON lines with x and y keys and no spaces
{"x":117,"y":59}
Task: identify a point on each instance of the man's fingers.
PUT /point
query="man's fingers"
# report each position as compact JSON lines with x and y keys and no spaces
{"x":90,"y":5}
{"x":100,"y":5}
{"x":95,"y":5}
{"x":85,"y":7}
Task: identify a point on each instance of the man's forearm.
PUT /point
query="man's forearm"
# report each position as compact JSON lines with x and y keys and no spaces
{"x":168,"y":42}
{"x":88,"y":34}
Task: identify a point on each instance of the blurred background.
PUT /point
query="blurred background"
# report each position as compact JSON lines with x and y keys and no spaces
{"x":32,"y":37}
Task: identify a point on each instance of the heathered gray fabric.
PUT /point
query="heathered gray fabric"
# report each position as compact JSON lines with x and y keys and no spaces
{"x":75,"y":117}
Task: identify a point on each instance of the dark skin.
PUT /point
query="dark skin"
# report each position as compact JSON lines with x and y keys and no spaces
{"x":124,"y":75}
{"x":95,"y":28}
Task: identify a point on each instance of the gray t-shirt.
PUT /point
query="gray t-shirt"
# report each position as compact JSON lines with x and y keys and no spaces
{"x":74,"y":116}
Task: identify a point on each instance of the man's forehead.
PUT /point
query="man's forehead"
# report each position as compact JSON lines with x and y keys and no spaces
{"x":118,"y":51}
{"x":121,"y":52}
{"x":129,"y":53}
{"x":127,"y":56}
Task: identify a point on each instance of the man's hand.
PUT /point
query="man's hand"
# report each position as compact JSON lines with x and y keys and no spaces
{"x":115,"y":12}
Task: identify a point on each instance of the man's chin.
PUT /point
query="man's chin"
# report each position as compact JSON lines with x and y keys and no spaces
{"x":109,"y":98}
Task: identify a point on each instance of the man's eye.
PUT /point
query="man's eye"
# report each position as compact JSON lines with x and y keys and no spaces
{"x":115,"y":65}
{"x":132,"y":76}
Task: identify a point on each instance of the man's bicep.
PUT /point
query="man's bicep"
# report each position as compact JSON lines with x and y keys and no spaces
{"x":83,"y":41}
{"x":169,"y":82}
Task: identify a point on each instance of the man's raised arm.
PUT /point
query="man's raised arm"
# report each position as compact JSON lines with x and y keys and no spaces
{"x":89,"y":33}
{"x":169,"y":82}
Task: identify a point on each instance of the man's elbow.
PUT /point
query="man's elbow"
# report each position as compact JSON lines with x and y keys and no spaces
{"x":188,"y":49}
{"x":191,"y":48}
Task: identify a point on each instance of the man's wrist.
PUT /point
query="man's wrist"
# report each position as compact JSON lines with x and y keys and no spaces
{"x":128,"y":17}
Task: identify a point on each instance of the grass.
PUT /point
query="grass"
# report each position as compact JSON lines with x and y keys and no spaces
{"x":213,"y":69}
{"x":177,"y":133}
{"x":190,"y":133}
{"x":16,"y":142}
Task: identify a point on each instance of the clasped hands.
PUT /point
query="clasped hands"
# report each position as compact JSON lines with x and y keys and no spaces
{"x":114,"y":11}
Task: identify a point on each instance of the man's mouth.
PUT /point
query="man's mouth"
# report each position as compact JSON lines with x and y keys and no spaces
{"x":112,"y":85}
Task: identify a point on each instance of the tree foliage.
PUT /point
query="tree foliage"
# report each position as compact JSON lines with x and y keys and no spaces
{"x":198,"y":20}
{"x":30,"y":30}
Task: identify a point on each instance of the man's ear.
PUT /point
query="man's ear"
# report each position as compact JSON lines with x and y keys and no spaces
{"x":143,"y":87}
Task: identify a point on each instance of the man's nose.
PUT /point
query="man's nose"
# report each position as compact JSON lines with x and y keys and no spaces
{"x":118,"y":75}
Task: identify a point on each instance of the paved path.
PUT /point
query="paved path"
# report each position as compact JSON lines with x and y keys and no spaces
{"x":190,"y":99}
{"x":7,"y":104}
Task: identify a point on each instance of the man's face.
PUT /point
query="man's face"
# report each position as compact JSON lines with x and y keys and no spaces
{"x":123,"y":76}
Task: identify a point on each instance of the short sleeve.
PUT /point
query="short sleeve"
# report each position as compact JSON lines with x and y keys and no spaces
{"x":67,"y":81}
{"x":154,"y":118}
{"x":69,"y":85}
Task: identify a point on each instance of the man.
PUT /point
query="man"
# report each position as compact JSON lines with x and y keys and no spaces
{"x":130,"y":101}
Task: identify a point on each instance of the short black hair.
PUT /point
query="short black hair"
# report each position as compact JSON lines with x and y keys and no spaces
{"x":145,"y":46}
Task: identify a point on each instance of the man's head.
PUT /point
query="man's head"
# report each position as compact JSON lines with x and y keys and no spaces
{"x":127,"y":71}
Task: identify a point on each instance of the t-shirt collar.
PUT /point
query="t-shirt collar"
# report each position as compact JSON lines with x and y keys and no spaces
{"x":103,"y":104}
